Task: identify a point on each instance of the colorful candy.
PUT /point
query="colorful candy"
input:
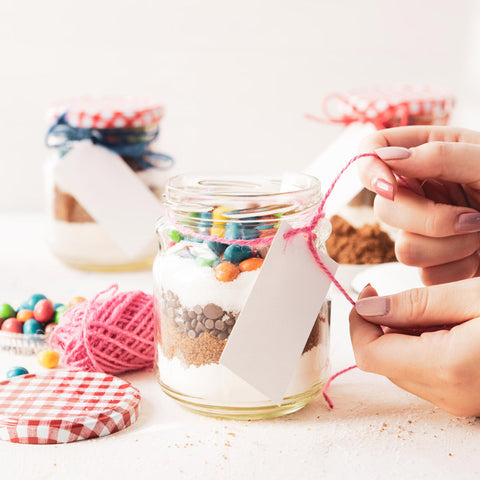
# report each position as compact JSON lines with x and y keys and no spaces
{"x":24,"y":315}
{"x":226,"y":272}
{"x":32,"y":301}
{"x":205,"y":262}
{"x":33,"y":327}
{"x":12,"y":325}
{"x":59,"y":312}
{"x":48,"y":358}
{"x":16,"y":371}
{"x":251,"y":264}
{"x":175,"y":235}
{"x":43,"y":311}
{"x":73,"y":301}
{"x":217,"y":247}
{"x":237,"y":253}
{"x":6,"y":311}
{"x":49,"y":327}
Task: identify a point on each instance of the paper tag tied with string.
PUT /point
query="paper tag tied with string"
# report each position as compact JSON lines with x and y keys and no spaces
{"x":272,"y":329}
{"x":111,"y":193}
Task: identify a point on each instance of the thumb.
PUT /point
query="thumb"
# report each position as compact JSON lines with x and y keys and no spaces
{"x":449,"y":303}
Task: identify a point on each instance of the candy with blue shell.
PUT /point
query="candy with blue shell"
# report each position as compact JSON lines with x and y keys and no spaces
{"x":217,"y":248}
{"x":31,"y":301}
{"x":16,"y":372}
{"x":237,"y":253}
{"x":33,"y":327}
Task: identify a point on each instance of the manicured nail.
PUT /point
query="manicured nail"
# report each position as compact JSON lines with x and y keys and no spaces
{"x":393,"y":153}
{"x":373,"y":306}
{"x":383,"y":188}
{"x":468,"y":222}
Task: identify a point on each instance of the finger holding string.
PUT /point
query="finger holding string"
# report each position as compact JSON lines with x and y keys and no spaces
{"x":395,"y":144}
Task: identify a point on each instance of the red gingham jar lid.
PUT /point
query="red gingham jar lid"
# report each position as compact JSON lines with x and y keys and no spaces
{"x":418,"y":99}
{"x":108,"y":112}
{"x":64,"y":407}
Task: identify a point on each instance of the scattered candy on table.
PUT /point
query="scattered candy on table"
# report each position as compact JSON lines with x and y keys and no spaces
{"x":16,"y":371}
{"x":48,"y":358}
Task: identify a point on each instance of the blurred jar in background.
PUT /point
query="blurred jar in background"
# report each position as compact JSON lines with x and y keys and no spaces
{"x":103,"y":182}
{"x":357,"y":238}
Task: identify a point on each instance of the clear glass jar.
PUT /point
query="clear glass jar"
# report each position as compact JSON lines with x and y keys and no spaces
{"x":200,"y":288}
{"x":126,"y":126}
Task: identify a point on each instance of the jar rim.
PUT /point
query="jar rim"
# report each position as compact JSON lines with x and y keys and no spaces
{"x":244,"y":198}
{"x":205,"y":189}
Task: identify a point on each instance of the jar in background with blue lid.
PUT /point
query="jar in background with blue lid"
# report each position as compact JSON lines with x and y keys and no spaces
{"x":104,"y":182}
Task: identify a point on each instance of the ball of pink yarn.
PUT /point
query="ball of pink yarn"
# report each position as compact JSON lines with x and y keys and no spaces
{"x":111,"y":333}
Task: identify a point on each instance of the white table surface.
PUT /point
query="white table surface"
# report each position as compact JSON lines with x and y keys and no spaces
{"x":375,"y":431}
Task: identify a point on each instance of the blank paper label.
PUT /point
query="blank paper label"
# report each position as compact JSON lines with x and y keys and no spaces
{"x":111,"y":193}
{"x":271,"y":331}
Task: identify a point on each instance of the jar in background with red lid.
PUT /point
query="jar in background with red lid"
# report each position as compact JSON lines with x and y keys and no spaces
{"x":104,"y":181}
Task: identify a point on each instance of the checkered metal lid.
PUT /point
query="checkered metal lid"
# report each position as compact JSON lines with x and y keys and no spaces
{"x":63,"y":407}
{"x":107,"y":112}
{"x":417,"y":99}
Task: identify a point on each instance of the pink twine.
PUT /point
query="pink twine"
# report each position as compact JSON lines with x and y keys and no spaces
{"x":209,"y":238}
{"x":112,"y":333}
{"x":330,"y":380}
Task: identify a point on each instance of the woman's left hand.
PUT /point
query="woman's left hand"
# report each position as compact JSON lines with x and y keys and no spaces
{"x":440,"y":366}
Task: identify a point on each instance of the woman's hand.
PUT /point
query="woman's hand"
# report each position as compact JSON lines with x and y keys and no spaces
{"x":438,"y":213}
{"x":440,"y":366}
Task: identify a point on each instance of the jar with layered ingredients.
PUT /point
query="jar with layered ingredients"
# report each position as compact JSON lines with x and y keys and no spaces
{"x":201,"y":285}
{"x":104,"y":181}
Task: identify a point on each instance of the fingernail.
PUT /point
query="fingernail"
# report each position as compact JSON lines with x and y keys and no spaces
{"x":468,"y":222}
{"x":373,"y":306}
{"x":393,"y":153}
{"x":383,"y":188}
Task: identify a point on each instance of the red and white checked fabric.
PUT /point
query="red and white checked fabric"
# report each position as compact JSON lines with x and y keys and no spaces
{"x":379,"y":105}
{"x":65,"y":407}
{"x":108,"y":112}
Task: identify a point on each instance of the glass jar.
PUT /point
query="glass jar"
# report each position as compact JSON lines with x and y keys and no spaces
{"x":358,"y":238}
{"x":127,"y":127}
{"x":200,"y":287}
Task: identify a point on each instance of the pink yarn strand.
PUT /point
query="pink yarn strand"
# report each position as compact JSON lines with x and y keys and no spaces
{"x":330,"y":380}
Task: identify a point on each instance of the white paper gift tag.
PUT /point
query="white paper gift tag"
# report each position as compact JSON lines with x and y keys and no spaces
{"x":334,"y":158}
{"x":111,"y":193}
{"x":271,"y":331}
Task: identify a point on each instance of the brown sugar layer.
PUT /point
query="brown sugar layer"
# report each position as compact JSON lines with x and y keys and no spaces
{"x":67,"y":209}
{"x":198,"y":336}
{"x":365,"y":245}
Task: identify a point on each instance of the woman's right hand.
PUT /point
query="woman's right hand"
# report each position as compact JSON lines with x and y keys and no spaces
{"x":438,"y":214}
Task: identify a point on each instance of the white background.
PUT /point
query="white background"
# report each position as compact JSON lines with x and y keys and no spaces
{"x":235,"y":77}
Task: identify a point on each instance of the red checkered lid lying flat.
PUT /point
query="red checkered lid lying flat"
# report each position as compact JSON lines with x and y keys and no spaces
{"x":64,"y":407}
{"x":107,"y":112}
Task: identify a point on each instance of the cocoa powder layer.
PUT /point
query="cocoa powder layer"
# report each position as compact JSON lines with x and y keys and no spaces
{"x":67,"y":208}
{"x":364,"y":245}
